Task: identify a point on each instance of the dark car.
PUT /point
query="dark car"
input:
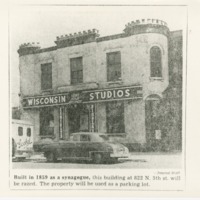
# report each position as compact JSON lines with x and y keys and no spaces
{"x":94,"y":147}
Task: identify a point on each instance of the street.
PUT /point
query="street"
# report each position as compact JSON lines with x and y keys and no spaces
{"x":136,"y":160}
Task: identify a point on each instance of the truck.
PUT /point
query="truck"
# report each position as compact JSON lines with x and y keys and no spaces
{"x":22,"y":139}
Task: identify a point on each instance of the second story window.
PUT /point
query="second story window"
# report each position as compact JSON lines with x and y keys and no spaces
{"x":46,"y":76}
{"x":156,"y":62}
{"x":113,"y":66}
{"x":76,"y":70}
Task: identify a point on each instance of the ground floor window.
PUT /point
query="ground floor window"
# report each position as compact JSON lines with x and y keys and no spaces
{"x":46,"y":122}
{"x":115,"y":117}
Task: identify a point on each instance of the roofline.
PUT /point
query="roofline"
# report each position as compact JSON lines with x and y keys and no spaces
{"x":136,"y":31}
{"x":176,"y":31}
{"x":19,"y":121}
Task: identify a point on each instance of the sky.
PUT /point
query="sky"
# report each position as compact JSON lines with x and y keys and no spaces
{"x":44,"y":23}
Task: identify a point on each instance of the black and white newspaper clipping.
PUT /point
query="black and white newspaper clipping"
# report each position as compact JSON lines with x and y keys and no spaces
{"x":97,"y":98}
{"x":139,"y":180}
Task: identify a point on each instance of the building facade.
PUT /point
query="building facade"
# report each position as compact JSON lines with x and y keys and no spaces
{"x":113,"y":84}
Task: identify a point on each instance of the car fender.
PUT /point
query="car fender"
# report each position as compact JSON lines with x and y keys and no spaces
{"x":102,"y":148}
{"x":48,"y":148}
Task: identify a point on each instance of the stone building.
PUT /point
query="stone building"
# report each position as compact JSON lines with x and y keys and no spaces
{"x":16,"y":114}
{"x":113,"y":84}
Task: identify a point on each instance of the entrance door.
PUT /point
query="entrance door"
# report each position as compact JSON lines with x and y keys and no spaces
{"x":78,"y":116}
{"x":152,"y":121}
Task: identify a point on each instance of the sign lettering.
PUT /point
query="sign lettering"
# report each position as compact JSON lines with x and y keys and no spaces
{"x":91,"y":96}
{"x":113,"y":94}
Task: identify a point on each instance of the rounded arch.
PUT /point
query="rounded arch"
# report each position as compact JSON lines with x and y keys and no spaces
{"x":155,"y":59}
{"x":155,"y":45}
{"x":153,"y":97}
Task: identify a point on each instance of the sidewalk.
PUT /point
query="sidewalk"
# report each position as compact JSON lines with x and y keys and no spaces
{"x":133,"y":155}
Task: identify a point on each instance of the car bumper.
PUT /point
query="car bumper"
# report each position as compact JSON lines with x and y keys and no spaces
{"x":119,"y":155}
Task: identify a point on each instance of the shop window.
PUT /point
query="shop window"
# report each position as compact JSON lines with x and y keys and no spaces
{"x":46,"y":76}
{"x":115,"y":117}
{"x":76,"y":70}
{"x":113,"y":66}
{"x":28,"y":132}
{"x":156,"y":62}
{"x":46,"y":122}
{"x":20,"y":131}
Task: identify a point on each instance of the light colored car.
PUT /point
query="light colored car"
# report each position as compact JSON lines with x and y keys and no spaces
{"x":95,"y":147}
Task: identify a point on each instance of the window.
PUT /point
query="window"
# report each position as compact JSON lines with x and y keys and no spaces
{"x":76,"y":70}
{"x":46,"y":122}
{"x":76,"y":138}
{"x":20,"y":131}
{"x":28,"y":132}
{"x":84,"y":138}
{"x":46,"y":76}
{"x":113,"y":66}
{"x":156,"y":62}
{"x":115,"y":117}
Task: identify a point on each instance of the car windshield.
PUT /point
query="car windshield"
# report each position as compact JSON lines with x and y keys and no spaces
{"x":104,"y":137}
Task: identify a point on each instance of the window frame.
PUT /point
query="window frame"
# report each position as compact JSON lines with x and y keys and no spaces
{"x":78,"y":71}
{"x":46,"y":76}
{"x":113,"y":68}
{"x":154,"y":62}
{"x":27,"y":133}
{"x":20,"y":133}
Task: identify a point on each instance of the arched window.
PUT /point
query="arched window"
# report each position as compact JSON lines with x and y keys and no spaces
{"x":156,"y":62}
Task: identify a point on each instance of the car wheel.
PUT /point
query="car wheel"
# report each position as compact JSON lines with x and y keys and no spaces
{"x":97,"y":158}
{"x":13,"y":147}
{"x":51,"y":157}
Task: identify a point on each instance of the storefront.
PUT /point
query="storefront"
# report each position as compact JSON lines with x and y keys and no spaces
{"x":103,"y":110}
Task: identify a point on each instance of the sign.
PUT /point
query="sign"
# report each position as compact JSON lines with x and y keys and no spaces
{"x":45,"y":100}
{"x":50,"y":100}
{"x":111,"y":94}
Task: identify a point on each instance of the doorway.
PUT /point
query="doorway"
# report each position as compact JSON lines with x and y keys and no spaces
{"x":78,"y":116}
{"x":153,"y":121}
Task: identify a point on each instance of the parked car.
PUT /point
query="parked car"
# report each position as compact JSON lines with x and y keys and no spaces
{"x":39,"y":145}
{"x":94,"y":147}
